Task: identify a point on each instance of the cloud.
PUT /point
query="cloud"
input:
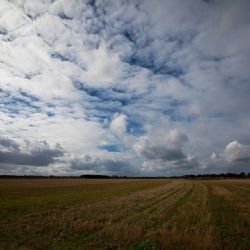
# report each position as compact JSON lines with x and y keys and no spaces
{"x":7,"y":144}
{"x":234,"y":158}
{"x":163,"y":151}
{"x":152,"y":152}
{"x":104,"y":166}
{"x":160,"y":167}
{"x":119,"y":124}
{"x":162,"y":141}
{"x":213,"y":156}
{"x":236,"y":152}
{"x":90,"y":74}
{"x":36,"y":154}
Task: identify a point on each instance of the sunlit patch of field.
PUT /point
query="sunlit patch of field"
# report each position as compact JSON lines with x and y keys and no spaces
{"x":124,"y":214}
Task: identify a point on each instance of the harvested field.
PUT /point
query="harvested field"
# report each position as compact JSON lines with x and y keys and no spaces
{"x":124,"y":214}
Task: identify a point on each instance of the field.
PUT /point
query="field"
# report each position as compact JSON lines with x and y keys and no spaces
{"x":124,"y":214}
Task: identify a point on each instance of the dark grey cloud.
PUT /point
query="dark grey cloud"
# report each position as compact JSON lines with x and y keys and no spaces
{"x":99,"y":165}
{"x":8,"y":144}
{"x":162,"y":145}
{"x":153,"y":152}
{"x":163,"y":151}
{"x":188,"y":162}
{"x":3,"y":31}
{"x":38,"y":154}
{"x":161,"y":159}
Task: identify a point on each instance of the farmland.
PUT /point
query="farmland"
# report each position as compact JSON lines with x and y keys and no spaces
{"x":124,"y":214}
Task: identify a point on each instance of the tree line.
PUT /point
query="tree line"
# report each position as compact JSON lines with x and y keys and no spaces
{"x":241,"y":175}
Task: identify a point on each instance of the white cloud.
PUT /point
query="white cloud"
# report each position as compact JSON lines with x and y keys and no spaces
{"x":236,"y":152}
{"x":213,"y":156}
{"x":102,"y":67}
{"x":119,"y":124}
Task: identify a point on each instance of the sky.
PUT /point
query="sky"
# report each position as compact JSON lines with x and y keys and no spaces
{"x":124,"y":87}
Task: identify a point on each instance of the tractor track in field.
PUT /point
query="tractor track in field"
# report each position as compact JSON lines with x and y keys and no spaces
{"x":167,"y":215}
{"x":227,"y":217}
{"x":149,"y":204}
{"x":149,"y":208}
{"x":155,"y":201}
{"x":157,"y":206}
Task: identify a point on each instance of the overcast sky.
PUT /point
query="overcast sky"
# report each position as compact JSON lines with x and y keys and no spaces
{"x":124,"y":87}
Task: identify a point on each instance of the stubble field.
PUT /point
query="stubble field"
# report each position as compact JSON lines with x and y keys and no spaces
{"x":124,"y":214}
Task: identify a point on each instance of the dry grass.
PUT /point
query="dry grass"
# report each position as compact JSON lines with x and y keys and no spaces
{"x":124,"y":214}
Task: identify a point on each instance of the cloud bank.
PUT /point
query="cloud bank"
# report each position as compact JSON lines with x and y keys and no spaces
{"x":26,"y":154}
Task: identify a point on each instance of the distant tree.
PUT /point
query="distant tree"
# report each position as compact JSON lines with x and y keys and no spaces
{"x":242,"y":174}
